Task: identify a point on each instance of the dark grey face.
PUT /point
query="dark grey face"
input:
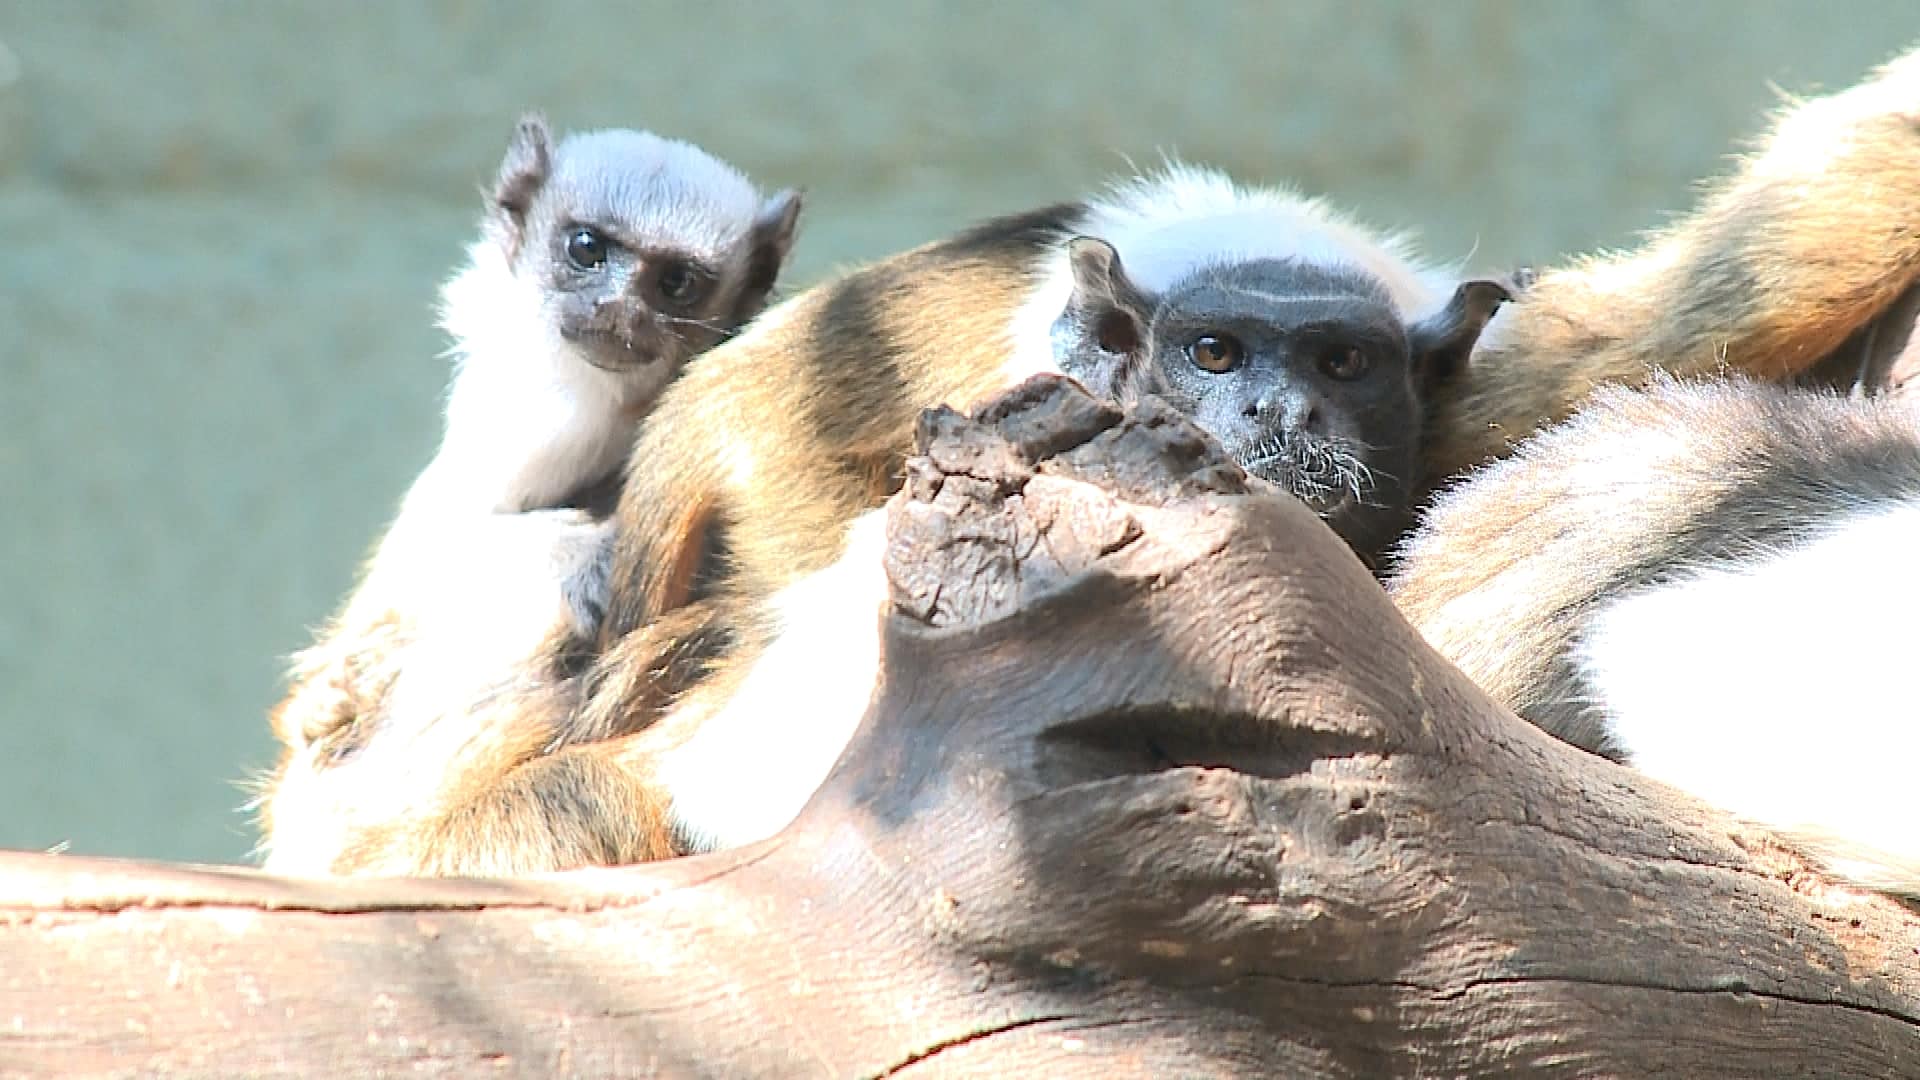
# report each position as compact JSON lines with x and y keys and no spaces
{"x":1306,"y":373}
{"x":1302,"y":372}
{"x":646,"y":250}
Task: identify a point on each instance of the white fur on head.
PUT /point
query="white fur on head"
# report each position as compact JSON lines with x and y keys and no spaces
{"x":657,"y":187}
{"x":1168,"y":224}
{"x":1171,"y":224}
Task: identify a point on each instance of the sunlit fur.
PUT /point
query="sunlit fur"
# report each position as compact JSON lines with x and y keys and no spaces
{"x":1805,"y":241}
{"x":1177,"y":221}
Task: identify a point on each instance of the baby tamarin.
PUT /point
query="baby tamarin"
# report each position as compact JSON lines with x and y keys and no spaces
{"x":605,"y":261}
{"x":1705,"y":581}
{"x":1809,"y":239}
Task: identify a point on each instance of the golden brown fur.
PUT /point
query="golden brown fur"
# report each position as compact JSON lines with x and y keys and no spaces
{"x":1809,"y":238}
{"x":774,"y":443}
{"x":466,"y":814}
{"x":586,"y":810}
{"x":749,"y":472}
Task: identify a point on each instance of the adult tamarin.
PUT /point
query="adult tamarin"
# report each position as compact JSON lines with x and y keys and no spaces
{"x":605,"y":261}
{"x":1692,"y":578}
{"x":1304,"y":371}
{"x":756,"y":461}
{"x":1706,"y":581}
{"x":1810,"y":238}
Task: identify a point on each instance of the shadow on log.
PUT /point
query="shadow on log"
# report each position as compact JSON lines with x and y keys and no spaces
{"x":1157,"y":784}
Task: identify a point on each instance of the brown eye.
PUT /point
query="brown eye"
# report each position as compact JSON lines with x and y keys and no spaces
{"x":679,"y":283}
{"x":586,"y":250}
{"x":1344,"y":363}
{"x":1217,"y":353}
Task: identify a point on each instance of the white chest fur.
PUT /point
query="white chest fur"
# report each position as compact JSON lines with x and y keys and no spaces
{"x":528,"y":420}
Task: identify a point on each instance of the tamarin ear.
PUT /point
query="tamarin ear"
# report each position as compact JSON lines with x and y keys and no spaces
{"x":769,"y":243}
{"x":523,"y":172}
{"x":1442,"y":342}
{"x":1105,"y":321}
{"x":1107,"y":301}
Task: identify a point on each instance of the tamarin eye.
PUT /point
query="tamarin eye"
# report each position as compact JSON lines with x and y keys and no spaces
{"x":1345,"y":363}
{"x":585,"y":249}
{"x":679,"y":282}
{"x":1217,"y":353}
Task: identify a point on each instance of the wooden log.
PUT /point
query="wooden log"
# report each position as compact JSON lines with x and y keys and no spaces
{"x":1157,"y":784}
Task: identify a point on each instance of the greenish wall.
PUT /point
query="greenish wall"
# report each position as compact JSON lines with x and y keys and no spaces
{"x":221,"y":226}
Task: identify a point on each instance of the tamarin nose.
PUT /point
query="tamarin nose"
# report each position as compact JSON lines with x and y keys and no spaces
{"x":1294,"y":413}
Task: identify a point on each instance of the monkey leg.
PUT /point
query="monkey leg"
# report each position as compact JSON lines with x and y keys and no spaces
{"x":1810,"y":237}
{"x":506,"y":804}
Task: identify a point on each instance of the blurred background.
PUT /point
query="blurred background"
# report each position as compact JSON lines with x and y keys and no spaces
{"x":222,"y":225}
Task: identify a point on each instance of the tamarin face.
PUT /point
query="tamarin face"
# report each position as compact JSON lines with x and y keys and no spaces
{"x":1306,"y":373}
{"x":647,"y":250}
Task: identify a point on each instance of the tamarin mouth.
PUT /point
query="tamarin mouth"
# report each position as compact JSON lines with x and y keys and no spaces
{"x":619,"y":337}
